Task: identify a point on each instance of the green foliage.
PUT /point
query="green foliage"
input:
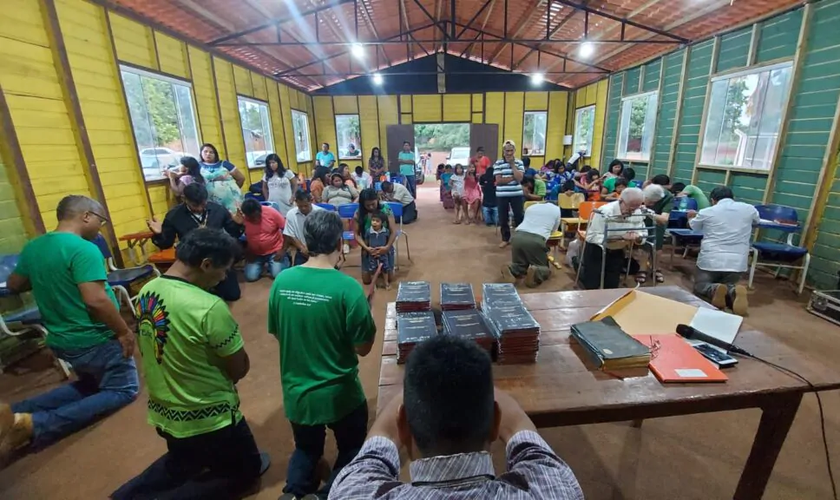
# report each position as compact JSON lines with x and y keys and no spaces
{"x":153,"y":112}
{"x":735,"y":104}
{"x":638,"y":110}
{"x":441,"y":136}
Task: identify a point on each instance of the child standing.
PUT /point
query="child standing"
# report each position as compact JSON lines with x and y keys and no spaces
{"x":488,"y":204}
{"x":445,"y":189}
{"x":472,"y":195}
{"x":456,"y":184}
{"x":377,"y":236}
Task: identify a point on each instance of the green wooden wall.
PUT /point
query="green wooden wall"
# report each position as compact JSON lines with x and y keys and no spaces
{"x":805,"y":173}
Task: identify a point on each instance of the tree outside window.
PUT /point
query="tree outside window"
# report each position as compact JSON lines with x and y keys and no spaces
{"x":584,"y":127}
{"x":256,"y":131}
{"x":637,"y":123}
{"x":349,"y":132}
{"x":534,"y":126}
{"x":300,"y":127}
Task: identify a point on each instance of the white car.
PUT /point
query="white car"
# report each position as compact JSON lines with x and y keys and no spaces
{"x":160,"y":158}
{"x":459,"y":155}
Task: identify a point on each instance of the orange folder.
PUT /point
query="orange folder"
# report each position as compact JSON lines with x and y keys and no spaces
{"x":672,"y":359}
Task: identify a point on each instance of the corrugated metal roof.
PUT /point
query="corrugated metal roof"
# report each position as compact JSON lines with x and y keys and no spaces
{"x":481,"y":32}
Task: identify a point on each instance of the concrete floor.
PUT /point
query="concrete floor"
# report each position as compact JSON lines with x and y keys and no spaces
{"x":683,"y":457}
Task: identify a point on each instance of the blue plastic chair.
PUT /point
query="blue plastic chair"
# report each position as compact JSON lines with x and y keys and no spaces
{"x":677,"y":218}
{"x":397,"y":210}
{"x":122,"y":279}
{"x":348,"y":212}
{"x":685,"y":238}
{"x":780,"y":255}
{"x":326,"y":206}
{"x":271,"y":204}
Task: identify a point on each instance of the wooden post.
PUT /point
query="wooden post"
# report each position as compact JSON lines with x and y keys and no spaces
{"x":702,"y":132}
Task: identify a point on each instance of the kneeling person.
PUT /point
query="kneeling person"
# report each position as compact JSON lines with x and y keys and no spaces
{"x":264,"y":231}
{"x":398,"y":192}
{"x":193,"y":356}
{"x":528,"y":250}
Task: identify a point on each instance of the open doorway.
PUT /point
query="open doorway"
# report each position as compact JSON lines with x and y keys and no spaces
{"x":441,"y":143}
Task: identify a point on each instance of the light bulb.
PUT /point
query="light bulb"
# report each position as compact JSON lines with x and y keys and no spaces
{"x":537,"y":78}
{"x":586,"y":50}
{"x":377,"y":79}
{"x":357,"y":50}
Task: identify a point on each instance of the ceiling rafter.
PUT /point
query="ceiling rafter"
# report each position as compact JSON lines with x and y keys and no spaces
{"x":372,"y":27}
{"x":469,"y":48}
{"x":552,"y":32}
{"x":523,"y":22}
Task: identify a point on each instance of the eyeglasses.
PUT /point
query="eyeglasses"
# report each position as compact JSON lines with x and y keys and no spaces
{"x":102,"y":220}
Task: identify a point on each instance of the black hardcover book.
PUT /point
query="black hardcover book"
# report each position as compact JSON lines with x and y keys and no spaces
{"x":609,"y":346}
{"x":456,"y":296}
{"x":412,"y":293}
{"x":415,"y":327}
{"x":495,"y":293}
{"x":466,"y":324}
{"x":512,"y":318}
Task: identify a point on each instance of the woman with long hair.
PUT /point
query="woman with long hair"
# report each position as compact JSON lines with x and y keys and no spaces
{"x":189,"y":172}
{"x":279,"y":184}
{"x":349,"y":181}
{"x":338,"y":192}
{"x":376,"y":165}
{"x":222,"y":179}
{"x":369,"y":203}
{"x":319,"y":182}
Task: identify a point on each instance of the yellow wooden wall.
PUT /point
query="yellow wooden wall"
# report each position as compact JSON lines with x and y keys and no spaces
{"x":95,"y":41}
{"x":596,"y":94}
{"x":506,"y":109}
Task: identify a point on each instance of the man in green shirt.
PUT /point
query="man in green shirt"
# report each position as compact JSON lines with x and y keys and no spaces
{"x":695,"y":193}
{"x":406,"y":161}
{"x":322,"y":321}
{"x":66,"y":273}
{"x":193,"y":355}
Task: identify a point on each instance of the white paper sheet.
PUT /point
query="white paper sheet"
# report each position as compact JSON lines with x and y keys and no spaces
{"x":718,"y":324}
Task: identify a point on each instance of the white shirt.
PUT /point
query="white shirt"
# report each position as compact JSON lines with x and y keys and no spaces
{"x":280,"y":190}
{"x":634,"y":223}
{"x":541,"y":219}
{"x":401,"y":194}
{"x":294,"y":223}
{"x":364,"y":181}
{"x":727,"y":228}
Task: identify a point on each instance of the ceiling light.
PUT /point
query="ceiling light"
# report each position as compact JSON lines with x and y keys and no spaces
{"x":357,"y":50}
{"x":377,"y":79}
{"x":537,"y":78}
{"x":586,"y":50}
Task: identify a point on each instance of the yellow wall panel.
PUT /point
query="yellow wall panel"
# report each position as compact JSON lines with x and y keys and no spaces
{"x":133,"y":41}
{"x":345,"y":105}
{"x":478,"y":102}
{"x":536,"y":101}
{"x":21,"y":20}
{"x":204,"y":94}
{"x":161,"y":198}
{"x":556,"y":124}
{"x":457,"y":107}
{"x":427,"y":108}
{"x":514,"y":114}
{"x":260,"y":91}
{"x":369,"y":122}
{"x":172,"y":55}
{"x":406,"y":119}
{"x":277,"y":125}
{"x":325,"y":122}
{"x":242,"y":78}
{"x":387,"y":116}
{"x":477,"y":118}
{"x":229,"y":106}
{"x":310,"y":112}
{"x":494,"y":112}
{"x":405,"y":104}
{"x":288,"y":137}
{"x":601,"y":89}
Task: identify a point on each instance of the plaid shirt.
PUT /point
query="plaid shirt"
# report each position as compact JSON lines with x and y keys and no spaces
{"x":534,"y":471}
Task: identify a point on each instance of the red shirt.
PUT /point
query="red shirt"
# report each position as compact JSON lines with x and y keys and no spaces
{"x":266,"y":236}
{"x":481,"y":165}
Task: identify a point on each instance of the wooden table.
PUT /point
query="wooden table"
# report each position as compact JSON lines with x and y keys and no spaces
{"x":560,"y":389}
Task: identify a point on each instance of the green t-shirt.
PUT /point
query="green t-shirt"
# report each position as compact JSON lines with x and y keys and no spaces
{"x":697,"y":194}
{"x":539,"y":187}
{"x":405,"y":168}
{"x":319,"y":316}
{"x":184,"y":332}
{"x":609,"y":184}
{"x":56,"y":264}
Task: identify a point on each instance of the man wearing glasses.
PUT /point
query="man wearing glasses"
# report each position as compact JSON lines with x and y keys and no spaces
{"x":66,"y":274}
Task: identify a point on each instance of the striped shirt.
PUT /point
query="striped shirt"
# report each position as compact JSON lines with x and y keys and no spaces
{"x":513,"y":188}
{"x":534,"y":472}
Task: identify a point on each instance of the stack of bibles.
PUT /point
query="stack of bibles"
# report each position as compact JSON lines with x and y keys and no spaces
{"x":456,"y":296}
{"x":493,"y":294}
{"x":516,"y":331}
{"x":414,"y":296}
{"x":413,"y":328}
{"x":469,"y":324}
{"x":609,"y":347}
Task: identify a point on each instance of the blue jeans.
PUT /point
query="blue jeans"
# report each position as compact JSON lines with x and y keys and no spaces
{"x":350,"y":433}
{"x":107,"y":382}
{"x":254,"y":270}
{"x":411,"y":185}
{"x":491,"y":215}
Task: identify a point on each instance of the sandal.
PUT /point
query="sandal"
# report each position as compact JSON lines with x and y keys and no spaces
{"x":641,"y":278}
{"x":660,"y":278}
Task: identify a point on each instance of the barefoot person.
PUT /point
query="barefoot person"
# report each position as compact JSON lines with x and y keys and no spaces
{"x":378,"y":236}
{"x":65,"y":273}
{"x":509,"y":172}
{"x":321,"y":318}
{"x":528,"y":251}
{"x":369,"y":204}
{"x":193,"y":356}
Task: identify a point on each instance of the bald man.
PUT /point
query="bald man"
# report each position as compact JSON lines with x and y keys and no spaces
{"x":66,"y":273}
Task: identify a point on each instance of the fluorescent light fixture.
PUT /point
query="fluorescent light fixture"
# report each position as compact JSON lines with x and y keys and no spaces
{"x":537,"y":78}
{"x":357,"y":50}
{"x":586,"y":50}
{"x":377,"y":79}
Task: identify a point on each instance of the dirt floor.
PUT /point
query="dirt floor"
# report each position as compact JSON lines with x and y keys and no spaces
{"x":696,"y":457}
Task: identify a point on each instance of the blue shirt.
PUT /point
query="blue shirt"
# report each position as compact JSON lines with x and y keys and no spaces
{"x":512,"y":188}
{"x":325,"y":159}
{"x":405,"y":168}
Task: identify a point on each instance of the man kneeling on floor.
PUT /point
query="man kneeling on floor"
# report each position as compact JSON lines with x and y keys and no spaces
{"x":446,"y":418}
{"x":528,"y":251}
{"x":193,"y":356}
{"x":66,"y":274}
{"x":398,"y":192}
{"x":724,"y":252}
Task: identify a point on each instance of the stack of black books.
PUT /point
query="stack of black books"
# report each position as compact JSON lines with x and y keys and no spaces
{"x":413,"y":328}
{"x":456,"y":296}
{"x":497,"y":294}
{"x":469,"y":324}
{"x":414,"y":296}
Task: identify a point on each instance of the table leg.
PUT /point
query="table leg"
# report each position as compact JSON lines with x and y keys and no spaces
{"x":776,"y":419}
